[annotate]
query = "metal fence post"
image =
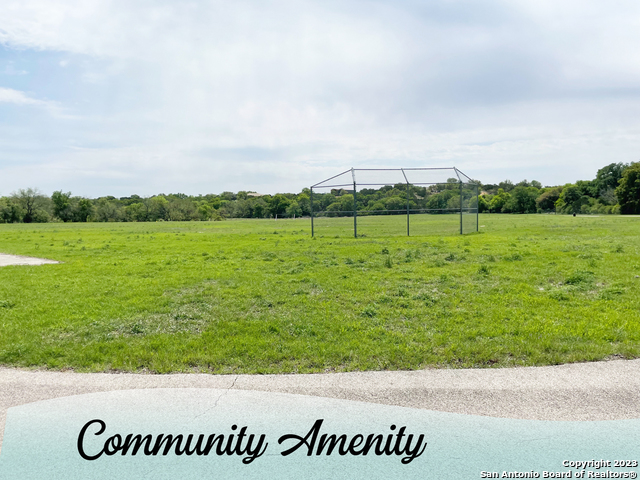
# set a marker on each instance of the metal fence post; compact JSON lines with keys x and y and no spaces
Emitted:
{"x":407,"y":209}
{"x":460,"y":208}
{"x":355,"y":213}
{"x":477,"y":207}
{"x":311,"y":200}
{"x":407,"y":181}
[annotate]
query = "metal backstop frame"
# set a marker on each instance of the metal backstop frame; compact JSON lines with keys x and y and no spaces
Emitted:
{"x":407,"y":175}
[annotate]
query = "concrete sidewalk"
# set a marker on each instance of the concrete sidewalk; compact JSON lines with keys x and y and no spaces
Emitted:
{"x":7,"y":260}
{"x":585,"y":391}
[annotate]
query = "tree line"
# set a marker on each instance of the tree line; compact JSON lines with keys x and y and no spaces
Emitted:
{"x":615,"y":189}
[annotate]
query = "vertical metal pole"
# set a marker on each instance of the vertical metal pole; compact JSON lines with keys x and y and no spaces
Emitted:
{"x":311,"y":198}
{"x":477,"y":207}
{"x":355,"y":213}
{"x":407,"y":209}
{"x":460,"y":208}
{"x":407,"y":182}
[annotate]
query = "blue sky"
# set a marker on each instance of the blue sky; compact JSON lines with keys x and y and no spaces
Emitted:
{"x":119,"y":97}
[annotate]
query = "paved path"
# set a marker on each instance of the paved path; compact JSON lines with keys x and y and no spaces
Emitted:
{"x":584,"y":391}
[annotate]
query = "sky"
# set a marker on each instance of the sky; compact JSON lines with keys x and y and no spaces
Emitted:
{"x":114,"y":97}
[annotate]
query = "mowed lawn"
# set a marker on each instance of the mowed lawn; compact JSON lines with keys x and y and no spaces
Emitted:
{"x":262,"y":296}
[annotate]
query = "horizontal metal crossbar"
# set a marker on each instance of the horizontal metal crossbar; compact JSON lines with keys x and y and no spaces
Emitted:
{"x":353,"y":178}
{"x":403,"y":211}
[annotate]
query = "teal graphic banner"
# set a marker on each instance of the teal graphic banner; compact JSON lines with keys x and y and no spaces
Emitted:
{"x":235,"y":434}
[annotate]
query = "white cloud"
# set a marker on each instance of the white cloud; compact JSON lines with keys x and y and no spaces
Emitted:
{"x":8,"y":95}
{"x":508,"y":87}
{"x":50,"y":108}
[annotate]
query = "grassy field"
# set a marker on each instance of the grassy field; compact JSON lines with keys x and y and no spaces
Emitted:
{"x":260,"y":296}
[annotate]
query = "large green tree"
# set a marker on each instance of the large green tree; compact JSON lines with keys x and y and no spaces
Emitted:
{"x":10,"y":212}
{"x":83,"y":210}
{"x":498,"y":201}
{"x":572,"y":199}
{"x":62,"y":205}
{"x":522,"y":200}
{"x":33,"y":203}
{"x":628,"y":191}
{"x":609,"y":176}
{"x":546,"y":202}
{"x":278,"y":204}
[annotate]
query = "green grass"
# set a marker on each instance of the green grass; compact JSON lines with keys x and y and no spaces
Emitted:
{"x":262,"y":296}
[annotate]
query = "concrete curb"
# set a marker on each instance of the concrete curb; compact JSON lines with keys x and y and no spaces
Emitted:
{"x":583,"y":391}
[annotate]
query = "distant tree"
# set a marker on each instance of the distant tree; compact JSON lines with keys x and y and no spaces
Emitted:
{"x":129,"y":200}
{"x":507,"y":186}
{"x":343,"y":206}
{"x":242,"y":208}
{"x":304,"y":203}
{"x":395,"y":203}
{"x":570,"y":193}
{"x":608,"y":196}
{"x":136,"y":212}
{"x":10,"y":212}
{"x":225,"y":209}
{"x":205,"y":211}
{"x":628,"y":191}
{"x":293,"y":210}
{"x":158,"y":208}
{"x":609,"y":176}
{"x":108,"y":209}
{"x":278,"y":204}
{"x":228,"y":196}
{"x":215,"y":202}
{"x":522,"y":200}
{"x":440,"y":200}
{"x":483,"y":204}
{"x":260,"y":208}
{"x":452,"y":183}
{"x":181,"y":209}
{"x":34,"y":204}
{"x":490,"y":188}
{"x":571,"y":199}
{"x":83,"y":210}
{"x":588,"y":188}
{"x":62,"y":205}
{"x":377,"y":207}
{"x":527,"y":183}
{"x":453,"y":203}
{"x":546,"y":202}
{"x":499,"y":200}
